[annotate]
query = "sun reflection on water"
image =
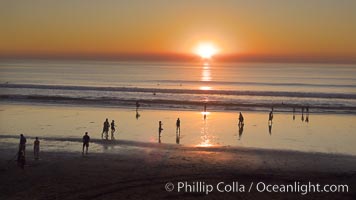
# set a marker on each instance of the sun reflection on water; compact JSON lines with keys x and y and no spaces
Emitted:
{"x":206,"y":76}
{"x":206,"y":138}
{"x":205,"y":88}
{"x":205,"y":141}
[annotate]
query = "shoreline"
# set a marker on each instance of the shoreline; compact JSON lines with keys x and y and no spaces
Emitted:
{"x":174,"y":147}
{"x":131,"y":106}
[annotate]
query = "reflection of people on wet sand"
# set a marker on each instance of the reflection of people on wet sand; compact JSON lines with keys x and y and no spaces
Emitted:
{"x":22,"y":145}
{"x":21,"y":160}
{"x":137,"y":115}
{"x":160,"y":129}
{"x":36,"y":148}
{"x":270,"y":128}
{"x":270,"y":117}
{"x":86,"y":140}
{"x":293,"y":113}
{"x":177,"y":138}
{"x":241,"y":130}
{"x":112,"y":129}
{"x":204,"y":111}
{"x":241,"y":119}
{"x":105,"y":129}
{"x":178,"y":126}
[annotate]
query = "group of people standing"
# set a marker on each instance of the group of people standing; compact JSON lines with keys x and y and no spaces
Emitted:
{"x":21,"y":154}
{"x":160,"y":129}
{"x":106,"y":127}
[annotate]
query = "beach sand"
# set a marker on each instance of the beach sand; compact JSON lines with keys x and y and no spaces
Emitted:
{"x":135,"y":166}
{"x":141,"y":172}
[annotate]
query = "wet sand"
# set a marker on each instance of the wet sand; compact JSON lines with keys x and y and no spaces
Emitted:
{"x":141,"y":172}
{"x":328,"y":133}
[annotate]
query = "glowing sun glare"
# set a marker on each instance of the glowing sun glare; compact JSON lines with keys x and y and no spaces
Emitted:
{"x":206,"y":50}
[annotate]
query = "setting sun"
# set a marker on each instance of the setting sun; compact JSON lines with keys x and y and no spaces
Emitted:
{"x":206,"y":50}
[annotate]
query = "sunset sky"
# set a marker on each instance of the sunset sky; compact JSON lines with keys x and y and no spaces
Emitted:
{"x":253,"y":29}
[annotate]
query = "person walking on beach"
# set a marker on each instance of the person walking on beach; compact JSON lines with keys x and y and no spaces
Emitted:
{"x":160,"y":129}
{"x":106,"y":129}
{"x":36,"y":149}
{"x":112,"y":129}
{"x":22,"y":145}
{"x":178,"y":126}
{"x":241,"y":119}
{"x":86,"y":140}
{"x":293,"y":113}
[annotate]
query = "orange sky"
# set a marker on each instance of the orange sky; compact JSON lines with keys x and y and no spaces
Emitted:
{"x":255,"y":29}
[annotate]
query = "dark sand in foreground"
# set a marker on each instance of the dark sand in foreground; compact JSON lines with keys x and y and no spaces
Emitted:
{"x":142,"y":172}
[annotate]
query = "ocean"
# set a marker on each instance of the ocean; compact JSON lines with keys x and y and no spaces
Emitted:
{"x":324,"y":88}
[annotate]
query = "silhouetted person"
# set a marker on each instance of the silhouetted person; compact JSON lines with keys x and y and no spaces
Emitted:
{"x":36,"y":149}
{"x":112,"y":125}
{"x":160,"y":129}
{"x":307,"y":109}
{"x":241,"y":130}
{"x":137,"y":105}
{"x":106,"y":129}
{"x":22,"y":145}
{"x":293,"y":113}
{"x":178,"y":126}
{"x":86,"y":140}
{"x":241,"y":119}
{"x":302,"y":117}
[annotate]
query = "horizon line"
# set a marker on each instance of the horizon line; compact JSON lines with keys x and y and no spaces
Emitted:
{"x":180,"y":57}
